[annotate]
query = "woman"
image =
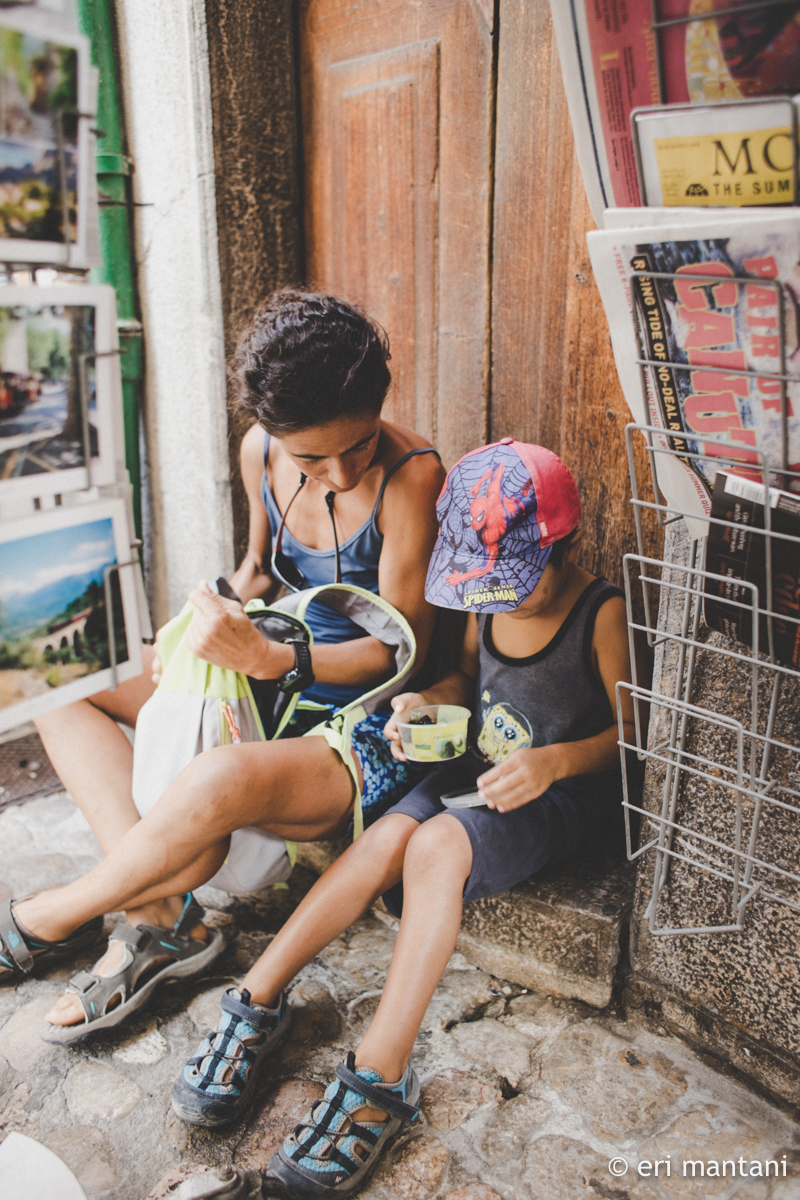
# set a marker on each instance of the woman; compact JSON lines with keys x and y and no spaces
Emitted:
{"x":330,"y":484}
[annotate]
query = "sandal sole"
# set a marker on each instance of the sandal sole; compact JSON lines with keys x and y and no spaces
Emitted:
{"x":68,"y":1035}
{"x":193,"y":1116}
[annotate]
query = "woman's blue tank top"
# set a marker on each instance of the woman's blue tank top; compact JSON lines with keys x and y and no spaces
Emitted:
{"x":358,"y":556}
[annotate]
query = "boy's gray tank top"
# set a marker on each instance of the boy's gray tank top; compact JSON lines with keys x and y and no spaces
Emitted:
{"x":551,"y":696}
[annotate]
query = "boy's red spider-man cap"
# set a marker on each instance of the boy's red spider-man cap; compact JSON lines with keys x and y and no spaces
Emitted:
{"x":500,"y":511}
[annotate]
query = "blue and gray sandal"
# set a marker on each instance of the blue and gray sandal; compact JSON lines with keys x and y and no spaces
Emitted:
{"x":19,"y":949}
{"x":152,"y":956}
{"x":219,"y":1082}
{"x":330,"y":1154}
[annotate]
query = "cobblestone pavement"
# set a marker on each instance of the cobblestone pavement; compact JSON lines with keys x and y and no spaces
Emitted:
{"x":523,"y":1096}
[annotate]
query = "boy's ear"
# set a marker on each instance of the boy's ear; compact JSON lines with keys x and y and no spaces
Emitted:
{"x":575,"y":539}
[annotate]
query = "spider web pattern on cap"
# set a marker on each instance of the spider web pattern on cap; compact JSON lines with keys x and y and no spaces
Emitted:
{"x":488,"y":554}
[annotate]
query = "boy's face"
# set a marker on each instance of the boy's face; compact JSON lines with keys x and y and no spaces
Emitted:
{"x":541,"y":597}
{"x":338,"y":453}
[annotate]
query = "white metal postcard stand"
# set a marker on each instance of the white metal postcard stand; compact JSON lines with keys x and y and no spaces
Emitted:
{"x":752,"y":764}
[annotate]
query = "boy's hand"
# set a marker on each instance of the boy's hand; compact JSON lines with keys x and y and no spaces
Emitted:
{"x":520,"y":778}
{"x":402,"y":705}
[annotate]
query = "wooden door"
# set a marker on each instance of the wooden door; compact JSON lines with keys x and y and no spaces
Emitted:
{"x":397,"y":114}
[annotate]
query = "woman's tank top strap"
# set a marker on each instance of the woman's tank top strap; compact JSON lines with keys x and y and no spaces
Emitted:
{"x":390,"y":473}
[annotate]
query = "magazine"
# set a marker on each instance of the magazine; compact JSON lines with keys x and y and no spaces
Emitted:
{"x":618,"y":56}
{"x":738,"y":552}
{"x":732,"y":154}
{"x":701,"y":331}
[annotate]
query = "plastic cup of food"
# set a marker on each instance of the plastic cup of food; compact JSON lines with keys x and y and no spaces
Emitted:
{"x":443,"y":735}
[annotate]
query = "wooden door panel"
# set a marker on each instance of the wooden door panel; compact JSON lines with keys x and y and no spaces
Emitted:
{"x":384,"y":172}
{"x":397,"y":108}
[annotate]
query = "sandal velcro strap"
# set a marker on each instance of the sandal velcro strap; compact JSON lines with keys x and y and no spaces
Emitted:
{"x":380,"y":1098}
{"x":135,"y":936}
{"x":13,"y":941}
{"x":83,"y":982}
{"x":252,"y":1016}
{"x":191,"y":915}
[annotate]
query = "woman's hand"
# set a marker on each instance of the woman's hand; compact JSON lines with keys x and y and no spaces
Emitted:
{"x":221,"y":633}
{"x":520,"y":778}
{"x":402,"y":706}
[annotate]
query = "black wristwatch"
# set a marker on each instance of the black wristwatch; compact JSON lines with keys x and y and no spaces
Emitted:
{"x":301,"y":675}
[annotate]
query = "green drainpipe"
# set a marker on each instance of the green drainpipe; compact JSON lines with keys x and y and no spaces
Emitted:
{"x":116,"y":241}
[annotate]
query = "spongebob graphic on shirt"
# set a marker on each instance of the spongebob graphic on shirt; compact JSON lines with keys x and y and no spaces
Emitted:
{"x":504,"y":729}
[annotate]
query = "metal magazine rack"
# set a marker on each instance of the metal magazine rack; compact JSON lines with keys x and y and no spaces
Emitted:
{"x":721,"y":779}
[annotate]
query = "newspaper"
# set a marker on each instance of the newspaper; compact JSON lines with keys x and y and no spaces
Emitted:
{"x":700,"y":334}
{"x":614,"y":61}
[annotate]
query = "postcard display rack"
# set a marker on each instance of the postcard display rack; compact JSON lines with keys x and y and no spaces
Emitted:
{"x":73,"y":611}
{"x":703,"y":305}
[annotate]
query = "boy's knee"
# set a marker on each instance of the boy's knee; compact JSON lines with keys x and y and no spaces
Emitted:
{"x":440,"y":844}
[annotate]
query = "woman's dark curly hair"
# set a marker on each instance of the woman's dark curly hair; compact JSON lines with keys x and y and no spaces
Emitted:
{"x":307,"y":359}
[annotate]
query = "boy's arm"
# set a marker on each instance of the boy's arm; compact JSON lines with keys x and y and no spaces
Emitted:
{"x":455,"y":688}
{"x":528,"y":773}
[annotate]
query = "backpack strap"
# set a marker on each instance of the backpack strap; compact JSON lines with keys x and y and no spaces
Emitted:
{"x":383,"y":621}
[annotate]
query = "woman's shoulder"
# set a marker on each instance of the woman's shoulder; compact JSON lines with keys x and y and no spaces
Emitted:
{"x":398,"y":442}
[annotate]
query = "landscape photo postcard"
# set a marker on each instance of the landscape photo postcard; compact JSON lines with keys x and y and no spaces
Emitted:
{"x":49,"y":344}
{"x":45,"y":167}
{"x":54,"y":637}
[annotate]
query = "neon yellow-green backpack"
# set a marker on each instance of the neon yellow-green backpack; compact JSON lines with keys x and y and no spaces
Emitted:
{"x":197,"y":706}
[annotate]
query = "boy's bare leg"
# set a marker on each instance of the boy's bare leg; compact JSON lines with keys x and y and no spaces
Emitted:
{"x":438,"y":860}
{"x":370,"y":866}
{"x":182,"y":841}
{"x":434,"y":861}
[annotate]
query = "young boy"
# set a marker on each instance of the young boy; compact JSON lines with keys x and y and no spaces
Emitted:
{"x":544,"y":647}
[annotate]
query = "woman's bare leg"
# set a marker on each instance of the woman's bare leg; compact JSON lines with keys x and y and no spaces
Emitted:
{"x":93,"y":758}
{"x":298,"y":792}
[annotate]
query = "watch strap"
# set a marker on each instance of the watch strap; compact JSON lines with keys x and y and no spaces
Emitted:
{"x":301,"y":676}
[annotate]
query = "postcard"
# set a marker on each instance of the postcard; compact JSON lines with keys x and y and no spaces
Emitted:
{"x":46,"y":167}
{"x":57,"y":360}
{"x":54,"y":629}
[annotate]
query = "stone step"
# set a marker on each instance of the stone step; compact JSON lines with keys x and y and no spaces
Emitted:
{"x":560,"y":933}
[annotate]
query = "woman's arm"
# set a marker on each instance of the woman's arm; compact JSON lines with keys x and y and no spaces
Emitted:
{"x":221,"y":633}
{"x":250,"y":581}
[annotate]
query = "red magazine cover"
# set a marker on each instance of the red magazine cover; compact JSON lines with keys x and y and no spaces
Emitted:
{"x":618,"y":55}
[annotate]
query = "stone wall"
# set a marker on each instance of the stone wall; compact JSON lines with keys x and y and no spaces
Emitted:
{"x":734,"y":994}
{"x":259,"y":217}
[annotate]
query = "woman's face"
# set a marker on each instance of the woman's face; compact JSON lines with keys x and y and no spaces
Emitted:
{"x":336,"y":454}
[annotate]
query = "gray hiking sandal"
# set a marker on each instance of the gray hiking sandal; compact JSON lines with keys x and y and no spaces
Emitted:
{"x":218,"y":1083}
{"x":20,"y":949}
{"x":152,"y":955}
{"x":330,"y":1154}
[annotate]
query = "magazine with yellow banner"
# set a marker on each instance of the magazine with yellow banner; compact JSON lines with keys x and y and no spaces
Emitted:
{"x":727,"y":155}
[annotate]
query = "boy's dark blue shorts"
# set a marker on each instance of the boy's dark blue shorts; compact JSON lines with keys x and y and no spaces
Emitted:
{"x":574,"y":815}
